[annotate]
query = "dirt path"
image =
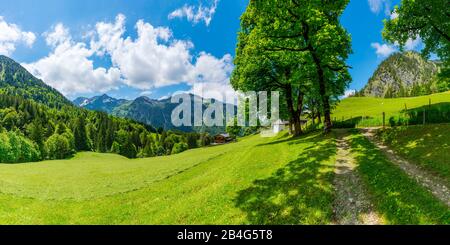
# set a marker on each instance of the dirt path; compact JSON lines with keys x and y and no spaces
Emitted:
{"x":433,"y":183}
{"x":352,"y":205}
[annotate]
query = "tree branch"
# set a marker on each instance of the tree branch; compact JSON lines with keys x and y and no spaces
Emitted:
{"x":337,"y":68}
{"x":279,"y":49}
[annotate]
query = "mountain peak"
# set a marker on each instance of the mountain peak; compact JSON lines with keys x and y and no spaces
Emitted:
{"x":103,"y":103}
{"x":401,"y":75}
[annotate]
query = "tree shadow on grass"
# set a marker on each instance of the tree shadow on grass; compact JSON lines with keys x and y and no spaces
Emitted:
{"x":349,"y":123}
{"x":400,"y":199}
{"x":436,"y":113}
{"x":427,"y":146}
{"x":299,"y":193}
{"x":293,"y":140}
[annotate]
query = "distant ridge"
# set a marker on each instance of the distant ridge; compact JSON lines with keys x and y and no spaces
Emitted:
{"x":143,"y":109}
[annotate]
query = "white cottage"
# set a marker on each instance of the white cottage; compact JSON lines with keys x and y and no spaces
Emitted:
{"x":279,"y":126}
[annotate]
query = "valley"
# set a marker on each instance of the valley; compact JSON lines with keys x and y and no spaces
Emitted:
{"x":357,"y":131}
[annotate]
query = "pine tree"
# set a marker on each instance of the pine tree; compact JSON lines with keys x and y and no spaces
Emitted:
{"x":36,"y":133}
{"x":81,"y":139}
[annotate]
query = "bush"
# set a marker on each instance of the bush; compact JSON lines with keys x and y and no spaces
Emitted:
{"x":128,"y":150}
{"x":205,"y":140}
{"x":115,"y":148}
{"x":179,"y":147}
{"x":58,"y":147}
{"x":438,"y":113}
{"x":15,"y":148}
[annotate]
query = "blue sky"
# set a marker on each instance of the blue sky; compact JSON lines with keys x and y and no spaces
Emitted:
{"x":154,"y":47}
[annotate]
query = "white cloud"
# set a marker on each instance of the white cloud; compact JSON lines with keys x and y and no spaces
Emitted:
{"x":69,"y":69}
{"x":146,"y":93}
{"x":196,"y":14}
{"x":11,"y":35}
{"x":155,"y":59}
{"x":211,"y":76}
{"x":413,"y":44}
{"x":376,"y":6}
{"x":210,"y":69}
{"x":148,"y":61}
{"x":383,"y":50}
{"x":59,"y":35}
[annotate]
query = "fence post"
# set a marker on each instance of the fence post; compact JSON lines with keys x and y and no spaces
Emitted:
{"x":424,"y":116}
{"x":384,"y":120}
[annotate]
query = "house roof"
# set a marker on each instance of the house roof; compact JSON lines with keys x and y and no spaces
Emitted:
{"x":280,"y":122}
{"x":224,"y":135}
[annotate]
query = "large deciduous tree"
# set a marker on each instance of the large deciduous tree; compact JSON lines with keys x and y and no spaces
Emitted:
{"x":305,"y":39}
{"x":429,"y":20}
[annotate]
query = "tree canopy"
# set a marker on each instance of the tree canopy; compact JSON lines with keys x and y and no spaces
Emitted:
{"x":298,"y":47}
{"x":429,"y":20}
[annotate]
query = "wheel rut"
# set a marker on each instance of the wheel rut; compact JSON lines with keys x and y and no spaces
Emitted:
{"x":352,"y":204}
{"x":434,"y":184}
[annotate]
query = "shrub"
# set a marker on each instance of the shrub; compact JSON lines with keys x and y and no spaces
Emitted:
{"x":179,"y":147}
{"x":58,"y":147}
{"x":15,"y":148}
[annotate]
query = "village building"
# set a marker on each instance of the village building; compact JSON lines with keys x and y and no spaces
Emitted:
{"x":222,"y":139}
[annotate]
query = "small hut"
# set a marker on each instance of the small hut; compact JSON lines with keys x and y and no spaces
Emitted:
{"x":222,"y":139}
{"x":279,"y":126}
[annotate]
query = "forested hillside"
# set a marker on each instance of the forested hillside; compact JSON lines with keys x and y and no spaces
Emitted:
{"x":16,"y":80}
{"x":37,"y":123}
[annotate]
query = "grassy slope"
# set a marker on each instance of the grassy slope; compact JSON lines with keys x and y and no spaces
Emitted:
{"x":91,"y":175}
{"x":247,"y":184}
{"x":374,"y":107}
{"x":398,"y":198}
{"x":428,"y":146}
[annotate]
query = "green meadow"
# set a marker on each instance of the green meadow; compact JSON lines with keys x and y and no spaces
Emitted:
{"x":368,"y":111}
{"x":257,"y":180}
{"x":280,"y":180}
{"x":428,"y":147}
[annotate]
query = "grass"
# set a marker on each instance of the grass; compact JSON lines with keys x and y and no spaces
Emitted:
{"x":280,"y":180}
{"x":427,"y":146}
{"x":89,"y":175}
{"x":368,"y":112}
{"x":398,"y":198}
{"x":254,"y":181}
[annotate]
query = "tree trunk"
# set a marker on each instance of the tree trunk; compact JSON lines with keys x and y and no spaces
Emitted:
{"x":295,"y":117}
{"x":323,"y":93}
{"x":297,"y":126}
{"x":300,"y":99}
